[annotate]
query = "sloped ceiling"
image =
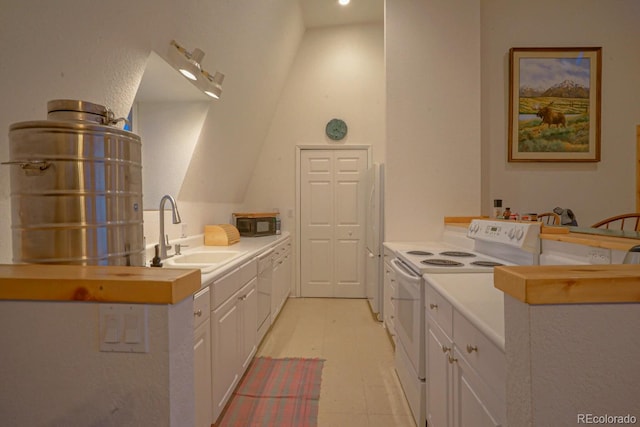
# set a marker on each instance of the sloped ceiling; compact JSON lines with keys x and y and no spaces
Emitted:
{"x":254,"y":44}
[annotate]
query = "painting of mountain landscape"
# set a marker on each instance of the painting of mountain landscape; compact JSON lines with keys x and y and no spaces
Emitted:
{"x":554,"y":110}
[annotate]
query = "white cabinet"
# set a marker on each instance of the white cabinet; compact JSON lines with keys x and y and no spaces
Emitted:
{"x":473,"y":404}
{"x":466,"y":372}
{"x":388,"y":292}
{"x":233,"y":331}
{"x":248,"y":303}
{"x":281,"y":276}
{"x":202,"y":357}
{"x":439,"y":381}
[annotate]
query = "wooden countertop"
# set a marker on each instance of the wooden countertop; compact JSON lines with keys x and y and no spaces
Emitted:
{"x":562,"y":234}
{"x":39,"y":282}
{"x":568,"y":284}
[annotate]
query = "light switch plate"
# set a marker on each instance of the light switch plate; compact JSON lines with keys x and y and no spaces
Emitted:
{"x":123,"y":328}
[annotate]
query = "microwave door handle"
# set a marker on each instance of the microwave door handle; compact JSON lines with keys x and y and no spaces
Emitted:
{"x":402,"y":270}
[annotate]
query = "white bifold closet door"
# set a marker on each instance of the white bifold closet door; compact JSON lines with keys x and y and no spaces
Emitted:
{"x":332,"y":219}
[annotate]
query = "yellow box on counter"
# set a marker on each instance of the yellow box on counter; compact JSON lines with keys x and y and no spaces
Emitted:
{"x":221,"y":235}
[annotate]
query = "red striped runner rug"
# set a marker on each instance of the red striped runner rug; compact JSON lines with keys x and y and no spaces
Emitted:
{"x":276,"y":393}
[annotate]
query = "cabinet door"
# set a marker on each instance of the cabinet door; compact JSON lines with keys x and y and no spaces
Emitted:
{"x":286,"y":278}
{"x":248,"y":303}
{"x":473,"y":399}
{"x":225,"y":352}
{"x":388,"y":293}
{"x":276,"y":294}
{"x":281,"y":282}
{"x":439,"y":381}
{"x":202,"y":372}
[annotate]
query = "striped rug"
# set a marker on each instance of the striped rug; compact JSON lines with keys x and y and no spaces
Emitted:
{"x":276,"y":393}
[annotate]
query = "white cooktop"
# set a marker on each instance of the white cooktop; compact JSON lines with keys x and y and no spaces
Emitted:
{"x":448,"y":259}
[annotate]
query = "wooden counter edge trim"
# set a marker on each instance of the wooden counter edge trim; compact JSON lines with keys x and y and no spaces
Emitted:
{"x":452,"y":220}
{"x":596,"y":286}
{"x":605,"y":242}
{"x":86,"y":288}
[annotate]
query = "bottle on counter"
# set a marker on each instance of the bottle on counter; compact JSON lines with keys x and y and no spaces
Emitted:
{"x":497,"y":208}
{"x":507,"y":213}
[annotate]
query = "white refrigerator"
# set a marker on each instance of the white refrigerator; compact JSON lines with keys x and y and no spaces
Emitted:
{"x":375,"y":238}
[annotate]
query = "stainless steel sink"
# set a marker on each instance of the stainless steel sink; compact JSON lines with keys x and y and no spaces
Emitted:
{"x":205,"y":260}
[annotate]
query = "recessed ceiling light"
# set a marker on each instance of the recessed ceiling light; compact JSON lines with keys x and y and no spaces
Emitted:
{"x":344,"y":2}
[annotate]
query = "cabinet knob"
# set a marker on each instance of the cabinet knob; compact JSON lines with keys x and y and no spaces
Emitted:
{"x":242,"y":298}
{"x":471,"y":348}
{"x":198,"y":313}
{"x":433,"y":306}
{"x":445,"y":348}
{"x":452,"y":359}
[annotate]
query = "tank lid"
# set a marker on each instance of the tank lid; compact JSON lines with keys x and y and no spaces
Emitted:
{"x":77,"y":106}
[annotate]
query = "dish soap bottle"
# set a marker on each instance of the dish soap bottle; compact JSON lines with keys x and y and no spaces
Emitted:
{"x":156,"y":261}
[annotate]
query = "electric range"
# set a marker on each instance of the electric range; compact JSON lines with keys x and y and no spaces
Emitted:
{"x":494,"y":243}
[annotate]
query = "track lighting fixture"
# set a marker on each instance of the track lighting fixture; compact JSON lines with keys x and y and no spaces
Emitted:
{"x":189,"y":65}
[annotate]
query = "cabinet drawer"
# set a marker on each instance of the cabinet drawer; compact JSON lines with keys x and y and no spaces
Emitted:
{"x":229,"y":284}
{"x":481,"y":353}
{"x":201,"y":307}
{"x":248,"y":271}
{"x":281,"y":248}
{"x":281,"y":251}
{"x":440,"y":310}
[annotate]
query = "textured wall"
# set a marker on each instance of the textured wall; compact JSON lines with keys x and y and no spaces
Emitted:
{"x":566,"y":360}
{"x":98,"y":53}
{"x":55,"y":375}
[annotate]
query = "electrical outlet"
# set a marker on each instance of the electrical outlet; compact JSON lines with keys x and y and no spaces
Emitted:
{"x":599,"y":256}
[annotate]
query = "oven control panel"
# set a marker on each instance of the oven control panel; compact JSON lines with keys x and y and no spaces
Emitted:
{"x":512,"y":233}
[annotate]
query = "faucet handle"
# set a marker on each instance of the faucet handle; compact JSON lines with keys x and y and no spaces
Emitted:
{"x":178,"y":246}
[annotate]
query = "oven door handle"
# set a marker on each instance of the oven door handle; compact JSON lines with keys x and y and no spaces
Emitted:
{"x":400,"y":268}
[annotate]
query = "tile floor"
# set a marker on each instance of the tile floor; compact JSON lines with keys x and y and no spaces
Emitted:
{"x":359,"y":384}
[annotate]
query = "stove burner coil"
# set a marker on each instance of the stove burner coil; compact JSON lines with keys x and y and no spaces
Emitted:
{"x":442,"y":262}
{"x":457,"y":254}
{"x":487,"y":263}
{"x":422,"y":253}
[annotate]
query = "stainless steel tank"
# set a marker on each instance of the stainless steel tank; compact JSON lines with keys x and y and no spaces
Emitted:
{"x":76,"y":188}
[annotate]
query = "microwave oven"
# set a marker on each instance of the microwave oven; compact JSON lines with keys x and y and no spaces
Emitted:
{"x":255,"y":226}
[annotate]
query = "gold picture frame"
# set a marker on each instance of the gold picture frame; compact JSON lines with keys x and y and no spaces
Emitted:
{"x":554,"y":104}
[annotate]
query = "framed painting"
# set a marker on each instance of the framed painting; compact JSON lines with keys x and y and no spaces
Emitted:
{"x":554,"y":104}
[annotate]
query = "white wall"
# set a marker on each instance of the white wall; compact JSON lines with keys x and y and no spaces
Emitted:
{"x":338,"y":72}
{"x":433,"y":115}
{"x":593,"y":191}
{"x":61,"y":50}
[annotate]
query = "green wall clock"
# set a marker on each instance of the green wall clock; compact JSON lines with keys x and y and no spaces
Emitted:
{"x":336,"y":129}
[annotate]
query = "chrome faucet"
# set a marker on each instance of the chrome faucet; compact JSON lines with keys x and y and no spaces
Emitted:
{"x":164,"y":240}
